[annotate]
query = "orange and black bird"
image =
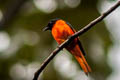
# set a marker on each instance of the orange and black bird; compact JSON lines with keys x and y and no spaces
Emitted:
{"x":61,"y":30}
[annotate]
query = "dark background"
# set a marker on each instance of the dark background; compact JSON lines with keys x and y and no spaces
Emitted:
{"x":24,"y":46}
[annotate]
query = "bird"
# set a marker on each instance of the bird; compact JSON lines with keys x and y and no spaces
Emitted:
{"x":62,"y":30}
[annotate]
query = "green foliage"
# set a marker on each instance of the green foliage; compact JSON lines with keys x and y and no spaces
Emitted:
{"x":31,"y":44}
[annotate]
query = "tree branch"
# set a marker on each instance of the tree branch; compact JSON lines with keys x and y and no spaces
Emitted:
{"x":80,"y":32}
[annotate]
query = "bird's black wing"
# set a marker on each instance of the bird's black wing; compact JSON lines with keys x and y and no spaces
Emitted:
{"x":79,"y":43}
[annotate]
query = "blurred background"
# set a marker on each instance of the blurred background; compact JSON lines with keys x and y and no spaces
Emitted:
{"x":24,"y":46}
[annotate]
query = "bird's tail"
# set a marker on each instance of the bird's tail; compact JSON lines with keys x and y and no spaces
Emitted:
{"x":83,"y":63}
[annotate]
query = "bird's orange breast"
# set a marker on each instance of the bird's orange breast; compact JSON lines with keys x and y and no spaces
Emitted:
{"x":61,"y":31}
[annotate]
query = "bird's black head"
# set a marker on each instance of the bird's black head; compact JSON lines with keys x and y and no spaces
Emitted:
{"x":50,"y":24}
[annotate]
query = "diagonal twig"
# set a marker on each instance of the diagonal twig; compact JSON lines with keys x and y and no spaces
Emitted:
{"x":80,"y":32}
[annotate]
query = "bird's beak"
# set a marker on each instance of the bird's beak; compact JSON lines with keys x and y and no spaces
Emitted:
{"x":46,"y":28}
